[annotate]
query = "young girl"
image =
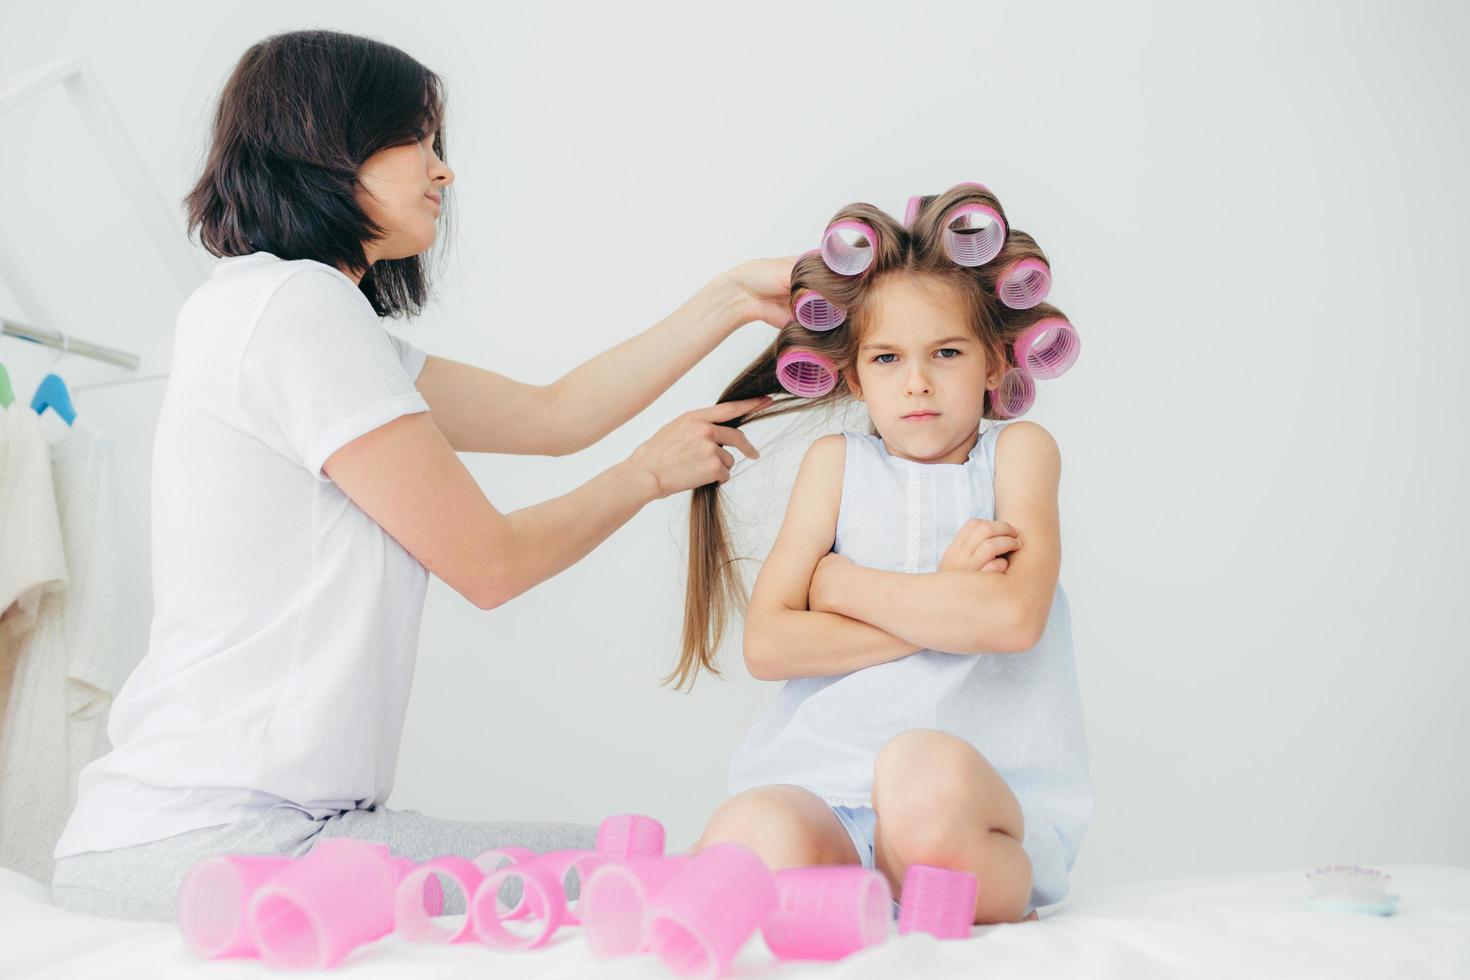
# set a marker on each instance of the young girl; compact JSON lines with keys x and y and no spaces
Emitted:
{"x":911,"y":599}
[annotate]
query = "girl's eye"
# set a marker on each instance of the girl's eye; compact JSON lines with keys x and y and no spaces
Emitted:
{"x":947,"y":351}
{"x":879,"y":358}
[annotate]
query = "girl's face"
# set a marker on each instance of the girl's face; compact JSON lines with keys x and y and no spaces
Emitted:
{"x":400,"y":188}
{"x":922,"y":371}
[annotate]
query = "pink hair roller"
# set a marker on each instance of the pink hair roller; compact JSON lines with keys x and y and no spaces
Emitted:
{"x":565,"y":866}
{"x":937,"y":901}
{"x":700,"y":921}
{"x":1024,"y":283}
{"x":626,"y":836}
{"x":213,"y":898}
{"x":911,"y":210}
{"x":805,"y":373}
{"x":420,"y":897}
{"x":615,"y":901}
{"x":336,"y":898}
{"x":433,"y":890}
{"x":974,"y":234}
{"x":848,"y":247}
{"x":1015,"y":395}
{"x":816,"y":312}
{"x":1049,"y":347}
{"x":541,"y":895}
{"x":827,"y":912}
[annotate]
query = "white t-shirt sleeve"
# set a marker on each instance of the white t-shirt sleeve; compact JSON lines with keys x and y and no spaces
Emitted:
{"x":319,"y":369}
{"x":413,"y":357}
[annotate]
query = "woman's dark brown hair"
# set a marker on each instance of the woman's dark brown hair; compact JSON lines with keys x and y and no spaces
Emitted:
{"x":714,"y":591}
{"x":299,"y":115}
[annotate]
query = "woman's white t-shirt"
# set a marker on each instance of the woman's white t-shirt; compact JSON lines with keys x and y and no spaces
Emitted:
{"x":285,"y":622}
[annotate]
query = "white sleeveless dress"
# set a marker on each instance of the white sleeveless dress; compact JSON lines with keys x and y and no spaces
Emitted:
{"x":1019,"y":710}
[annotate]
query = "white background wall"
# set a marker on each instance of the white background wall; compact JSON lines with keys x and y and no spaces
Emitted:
{"x":1256,"y":217}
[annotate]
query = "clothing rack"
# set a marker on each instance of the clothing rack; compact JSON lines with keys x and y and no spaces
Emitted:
{"x":56,"y":338}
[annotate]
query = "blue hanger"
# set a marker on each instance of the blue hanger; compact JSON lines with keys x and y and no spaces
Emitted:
{"x":52,"y":393}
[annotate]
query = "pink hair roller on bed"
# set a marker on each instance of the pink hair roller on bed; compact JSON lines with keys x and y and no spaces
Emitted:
{"x":615,"y":901}
{"x":974,"y":233}
{"x":541,"y":896}
{"x":699,"y":922}
{"x":420,"y":897}
{"x":805,"y":373}
{"x":216,"y":893}
{"x":336,"y":898}
{"x":827,"y":912}
{"x":213,"y":898}
{"x":566,"y":866}
{"x":1024,"y":283}
{"x":1049,"y":347}
{"x":1015,"y":395}
{"x":626,"y":836}
{"x":937,"y":901}
{"x":848,"y":247}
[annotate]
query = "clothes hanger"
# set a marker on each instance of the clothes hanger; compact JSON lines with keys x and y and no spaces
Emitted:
{"x":51,"y":392}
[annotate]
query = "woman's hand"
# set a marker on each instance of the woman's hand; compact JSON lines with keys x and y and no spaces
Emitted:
{"x":827,"y":582}
{"x":762,"y":290}
{"x":979,"y":547}
{"x":687,"y":452}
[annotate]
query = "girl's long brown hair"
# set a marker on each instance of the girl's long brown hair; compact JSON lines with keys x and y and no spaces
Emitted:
{"x":715,"y":590}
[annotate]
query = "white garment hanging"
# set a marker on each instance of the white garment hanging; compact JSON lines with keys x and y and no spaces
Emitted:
{"x":32,"y":559}
{"x":67,"y":665}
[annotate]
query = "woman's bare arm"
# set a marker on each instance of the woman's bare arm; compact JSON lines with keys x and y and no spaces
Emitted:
{"x":783,"y":638}
{"x":407,"y":478}
{"x":480,"y":411}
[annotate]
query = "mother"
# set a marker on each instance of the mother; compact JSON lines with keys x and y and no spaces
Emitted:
{"x":305,"y":483}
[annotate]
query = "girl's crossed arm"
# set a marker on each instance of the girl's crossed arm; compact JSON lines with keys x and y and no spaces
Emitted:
{"x":783,"y":638}
{"x":970,"y":612}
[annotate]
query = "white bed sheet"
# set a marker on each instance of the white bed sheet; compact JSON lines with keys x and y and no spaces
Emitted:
{"x":1254,"y":926}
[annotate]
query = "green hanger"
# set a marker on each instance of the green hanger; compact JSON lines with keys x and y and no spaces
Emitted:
{"x":6,"y":395}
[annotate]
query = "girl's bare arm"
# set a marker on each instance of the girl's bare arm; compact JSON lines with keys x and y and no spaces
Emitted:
{"x":783,"y":638}
{"x":973,"y":612}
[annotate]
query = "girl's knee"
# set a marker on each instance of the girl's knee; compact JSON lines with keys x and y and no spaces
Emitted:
{"x":774,"y":821}
{"x":931,"y":789}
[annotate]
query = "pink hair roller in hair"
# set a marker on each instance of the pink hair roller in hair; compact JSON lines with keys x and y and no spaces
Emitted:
{"x":911,"y":210}
{"x":1049,"y":347}
{"x":1024,"y":283}
{"x":827,"y":912}
{"x":1016,"y":393}
{"x":700,"y":921}
{"x":815,"y":312}
{"x":848,"y":247}
{"x":974,"y":234}
{"x":542,"y":896}
{"x":336,"y":898}
{"x":415,"y":904}
{"x":626,"y":836}
{"x":213,"y":898}
{"x":805,"y":373}
{"x":937,"y":901}
{"x":615,"y":901}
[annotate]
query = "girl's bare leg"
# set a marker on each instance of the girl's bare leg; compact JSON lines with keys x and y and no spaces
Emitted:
{"x":940,"y":802}
{"x":786,"y":825}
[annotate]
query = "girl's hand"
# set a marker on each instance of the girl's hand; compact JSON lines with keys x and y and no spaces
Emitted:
{"x":979,"y":547}
{"x":687,"y":452}
{"x":826,"y":582}
{"x":762,"y":290}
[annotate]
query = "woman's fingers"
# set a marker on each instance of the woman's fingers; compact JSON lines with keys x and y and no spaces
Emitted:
{"x":726,"y":458}
{"x":725,"y":411}
{"x":726,"y":435}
